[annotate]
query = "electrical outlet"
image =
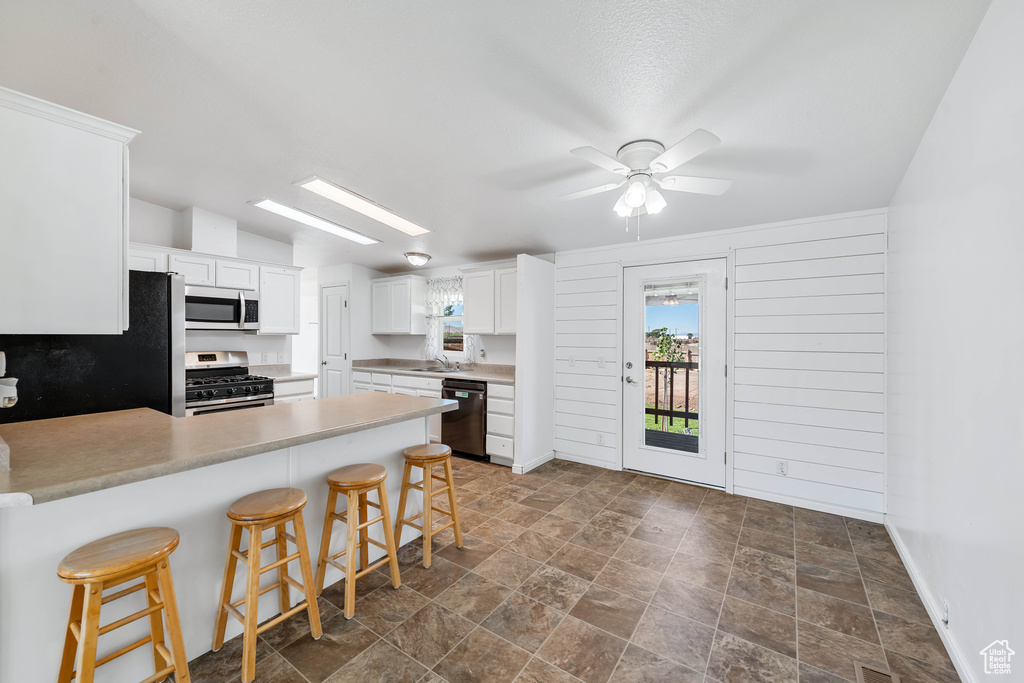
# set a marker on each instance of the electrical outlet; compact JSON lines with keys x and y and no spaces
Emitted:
{"x":945,"y":612}
{"x":600,"y":361}
{"x":572,"y":360}
{"x":600,"y":439}
{"x":265,"y":358}
{"x":781,"y":467}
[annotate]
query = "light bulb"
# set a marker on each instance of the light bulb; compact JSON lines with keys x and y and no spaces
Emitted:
{"x":636,"y":194}
{"x":622,"y":208}
{"x":655,"y":202}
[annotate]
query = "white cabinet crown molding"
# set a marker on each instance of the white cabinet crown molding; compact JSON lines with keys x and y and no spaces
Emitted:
{"x":61,"y":114}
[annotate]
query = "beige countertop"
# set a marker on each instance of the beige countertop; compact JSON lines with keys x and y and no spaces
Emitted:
{"x":499,"y":374}
{"x":69,"y":456}
{"x":280,"y":373}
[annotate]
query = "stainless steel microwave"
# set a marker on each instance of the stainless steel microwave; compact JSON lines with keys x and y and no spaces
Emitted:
{"x":216,"y":308}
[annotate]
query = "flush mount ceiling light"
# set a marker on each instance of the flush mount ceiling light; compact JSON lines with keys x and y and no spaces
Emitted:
{"x":416,"y":258}
{"x":356,"y":202}
{"x":640,"y":161}
{"x":313,"y":221}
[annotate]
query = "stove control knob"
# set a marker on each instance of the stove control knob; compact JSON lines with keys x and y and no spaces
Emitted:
{"x":230,"y":391}
{"x":248,"y":390}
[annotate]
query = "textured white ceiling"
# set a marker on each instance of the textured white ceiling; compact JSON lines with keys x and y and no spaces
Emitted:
{"x":459,"y":115}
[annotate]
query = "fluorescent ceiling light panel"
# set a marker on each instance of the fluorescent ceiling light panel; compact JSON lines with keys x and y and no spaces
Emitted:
{"x":313,"y":221}
{"x":353,"y":201}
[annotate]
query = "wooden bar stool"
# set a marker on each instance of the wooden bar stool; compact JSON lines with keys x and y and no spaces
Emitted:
{"x":426,"y":456}
{"x":109,"y":562}
{"x":355,"y":482}
{"x":271,"y":509}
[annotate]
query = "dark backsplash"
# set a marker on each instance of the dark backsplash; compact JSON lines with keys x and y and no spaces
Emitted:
{"x":61,"y":375}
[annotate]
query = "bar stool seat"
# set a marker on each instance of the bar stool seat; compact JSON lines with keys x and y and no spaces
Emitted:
{"x":355,"y":482}
{"x":255,"y":513}
{"x":427,"y":456}
{"x":109,"y":562}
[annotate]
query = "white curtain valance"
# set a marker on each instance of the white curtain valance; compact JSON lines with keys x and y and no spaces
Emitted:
{"x":443,"y":292}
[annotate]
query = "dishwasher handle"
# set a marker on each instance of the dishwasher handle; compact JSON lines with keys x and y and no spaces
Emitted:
{"x":451,"y":390}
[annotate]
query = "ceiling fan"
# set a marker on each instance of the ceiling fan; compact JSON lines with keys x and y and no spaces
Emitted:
{"x":640,"y":161}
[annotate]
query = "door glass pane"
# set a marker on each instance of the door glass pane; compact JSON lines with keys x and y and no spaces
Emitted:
{"x":671,"y":372}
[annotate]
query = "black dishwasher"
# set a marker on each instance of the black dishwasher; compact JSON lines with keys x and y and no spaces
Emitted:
{"x":465,"y":430}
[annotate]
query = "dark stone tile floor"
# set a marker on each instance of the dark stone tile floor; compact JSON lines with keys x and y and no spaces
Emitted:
{"x":575,"y":573}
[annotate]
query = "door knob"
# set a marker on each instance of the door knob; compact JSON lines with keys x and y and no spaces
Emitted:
{"x":631,"y":380}
{"x":323,"y":362}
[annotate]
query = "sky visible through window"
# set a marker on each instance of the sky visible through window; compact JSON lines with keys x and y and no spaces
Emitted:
{"x":680,"y":320}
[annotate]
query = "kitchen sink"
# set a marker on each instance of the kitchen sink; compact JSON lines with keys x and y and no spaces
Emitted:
{"x":443,"y":370}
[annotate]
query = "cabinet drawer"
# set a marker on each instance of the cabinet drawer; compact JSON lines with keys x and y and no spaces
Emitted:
{"x":361,"y":388}
{"x":501,"y":425}
{"x":293,"y":388}
{"x":501,"y":390}
{"x":382,"y":388}
{"x":499,"y":446}
{"x":361,"y":377}
{"x":416,"y":382}
{"x":501,"y":405}
{"x":380,"y":378}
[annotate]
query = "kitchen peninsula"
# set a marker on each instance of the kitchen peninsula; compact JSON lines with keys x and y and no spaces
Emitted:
{"x":76,"y":479}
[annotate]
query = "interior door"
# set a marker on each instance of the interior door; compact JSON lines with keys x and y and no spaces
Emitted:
{"x":334,"y":361}
{"x":674,"y":350}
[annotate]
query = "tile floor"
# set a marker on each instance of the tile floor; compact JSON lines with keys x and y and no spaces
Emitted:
{"x":574,"y":572}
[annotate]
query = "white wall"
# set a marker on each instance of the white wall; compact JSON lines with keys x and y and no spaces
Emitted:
{"x":535,"y":363}
{"x":956,"y":325}
{"x":306,"y":344}
{"x":807,"y":372}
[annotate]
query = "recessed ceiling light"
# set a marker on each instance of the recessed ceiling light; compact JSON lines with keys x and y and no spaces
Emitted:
{"x":356,"y":202}
{"x":416,"y":258}
{"x":313,"y":221}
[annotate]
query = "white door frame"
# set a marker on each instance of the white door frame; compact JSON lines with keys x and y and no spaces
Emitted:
{"x":346,"y":337}
{"x":730,"y":350}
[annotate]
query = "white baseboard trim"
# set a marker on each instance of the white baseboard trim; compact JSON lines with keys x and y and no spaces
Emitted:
{"x":533,"y":464}
{"x":559,"y":455}
{"x":932,"y":606}
{"x":842,"y":510}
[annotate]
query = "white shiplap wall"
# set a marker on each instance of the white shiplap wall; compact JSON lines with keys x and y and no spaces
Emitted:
{"x":807,"y":378}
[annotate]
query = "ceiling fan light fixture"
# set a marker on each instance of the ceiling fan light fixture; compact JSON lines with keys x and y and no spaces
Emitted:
{"x":636,"y":193}
{"x":655,"y":202}
{"x":622,"y":208}
{"x":312,"y":221}
{"x":356,"y":202}
{"x":417,"y":258}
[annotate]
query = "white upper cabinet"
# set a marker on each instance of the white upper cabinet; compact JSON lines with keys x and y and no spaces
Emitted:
{"x":63,"y":218}
{"x":238,"y":275}
{"x":489,"y":301}
{"x":149,"y":260}
{"x":279,"y":300}
{"x":399,"y":305}
{"x":197,"y":270}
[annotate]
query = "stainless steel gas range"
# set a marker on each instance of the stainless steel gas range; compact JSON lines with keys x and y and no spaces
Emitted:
{"x":216,"y":381}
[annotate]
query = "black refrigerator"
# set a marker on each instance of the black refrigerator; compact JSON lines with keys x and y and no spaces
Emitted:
{"x":61,"y":375}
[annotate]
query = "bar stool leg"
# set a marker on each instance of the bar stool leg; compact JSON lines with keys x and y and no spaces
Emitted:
{"x":166,"y":592}
{"x":234,"y":543}
{"x":283,"y":594}
{"x":389,"y":537}
{"x":350,"y":555}
{"x":252,"y":594}
{"x":402,"y":498}
{"x":428,"y":504}
{"x":364,"y":534}
{"x":452,"y":505}
{"x":67,"y":662}
{"x":86,"y":661}
{"x":312,"y":609}
{"x":325,"y":540}
{"x":156,"y":621}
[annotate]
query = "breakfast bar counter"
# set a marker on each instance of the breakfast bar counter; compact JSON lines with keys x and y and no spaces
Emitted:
{"x":69,"y":456}
{"x":73,"y":480}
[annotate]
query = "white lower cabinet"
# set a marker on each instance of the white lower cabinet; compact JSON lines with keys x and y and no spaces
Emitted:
{"x":501,"y":422}
{"x":426,"y":387}
{"x":287,"y":390}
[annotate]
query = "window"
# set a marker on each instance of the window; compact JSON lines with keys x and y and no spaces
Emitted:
{"x":451,"y":342}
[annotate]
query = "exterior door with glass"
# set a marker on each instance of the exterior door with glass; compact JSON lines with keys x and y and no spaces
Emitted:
{"x":674,"y":350}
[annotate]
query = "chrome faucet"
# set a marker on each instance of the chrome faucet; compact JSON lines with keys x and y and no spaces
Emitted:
{"x":444,"y":361}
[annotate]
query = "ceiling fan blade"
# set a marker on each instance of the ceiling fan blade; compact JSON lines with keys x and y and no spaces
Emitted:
{"x":693,"y":145}
{"x":594,"y":190}
{"x":689,"y":183}
{"x":600,"y":159}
